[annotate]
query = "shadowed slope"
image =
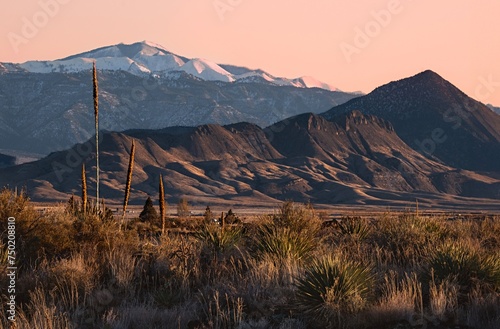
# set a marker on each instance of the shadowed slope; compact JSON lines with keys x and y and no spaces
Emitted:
{"x":354,"y":158}
{"x":435,"y":118}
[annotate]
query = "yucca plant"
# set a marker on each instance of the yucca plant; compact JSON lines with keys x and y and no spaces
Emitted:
{"x":354,"y":227}
{"x":216,"y":239}
{"x":291,"y":233}
{"x":463,"y":265}
{"x":299,"y":218}
{"x":129,"y":180}
{"x":332,"y":288}
{"x":284,"y":243}
{"x":491,"y":267}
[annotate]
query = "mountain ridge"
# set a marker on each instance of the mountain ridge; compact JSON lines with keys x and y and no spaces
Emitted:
{"x":40,"y":113}
{"x":143,"y":58}
{"x":435,"y":118}
{"x":357,"y":159}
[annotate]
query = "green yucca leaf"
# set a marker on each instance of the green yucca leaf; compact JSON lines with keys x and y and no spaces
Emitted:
{"x":354,"y":226}
{"x":464,"y":265}
{"x":218,"y":239}
{"x":285,"y":243}
{"x":330,"y":286}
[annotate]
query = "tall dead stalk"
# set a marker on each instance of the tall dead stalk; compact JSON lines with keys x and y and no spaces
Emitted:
{"x":129,"y":180}
{"x":96,"y":116}
{"x":161,"y":192}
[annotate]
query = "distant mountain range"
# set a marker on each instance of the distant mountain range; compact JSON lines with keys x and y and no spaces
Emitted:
{"x":437,"y":119}
{"x":341,"y":157}
{"x":201,"y":125}
{"x":47,"y":105}
{"x":494,"y":109}
{"x":146,"y":58}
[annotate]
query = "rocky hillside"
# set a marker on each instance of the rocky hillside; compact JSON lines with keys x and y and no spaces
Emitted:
{"x":41,"y":113}
{"x":47,"y":105}
{"x":436,"y":119}
{"x":353,"y":158}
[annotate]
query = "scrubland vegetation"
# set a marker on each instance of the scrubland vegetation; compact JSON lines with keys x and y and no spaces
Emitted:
{"x":77,"y":268}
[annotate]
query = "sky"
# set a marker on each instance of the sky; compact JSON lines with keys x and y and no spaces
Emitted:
{"x":353,"y":45}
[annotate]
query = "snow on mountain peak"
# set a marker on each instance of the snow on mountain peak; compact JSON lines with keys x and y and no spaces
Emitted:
{"x":154,"y":45}
{"x":147,"y":57}
{"x":310,"y":82}
{"x":207,"y":70}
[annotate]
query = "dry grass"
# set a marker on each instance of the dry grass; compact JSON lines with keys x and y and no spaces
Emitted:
{"x":79,"y":270}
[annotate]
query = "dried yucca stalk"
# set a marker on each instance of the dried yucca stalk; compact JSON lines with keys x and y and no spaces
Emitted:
{"x":96,"y":116}
{"x":161,"y":192}
{"x":129,"y":179}
{"x":84,"y":189}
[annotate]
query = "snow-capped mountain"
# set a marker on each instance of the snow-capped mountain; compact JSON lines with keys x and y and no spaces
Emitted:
{"x":207,"y":70}
{"x":144,"y":58}
{"x":47,"y":105}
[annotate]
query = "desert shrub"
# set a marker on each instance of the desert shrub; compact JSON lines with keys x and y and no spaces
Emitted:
{"x":284,"y":243}
{"x":264,"y":274}
{"x":490,"y":265}
{"x":483,"y":310}
{"x":217,"y":239}
{"x":19,"y":207}
{"x":40,"y":313}
{"x":296,"y":217}
{"x":222,"y":312}
{"x":49,"y":234}
{"x":354,"y":227}
{"x":72,"y":280}
{"x":121,"y":265}
{"x":26,"y":218}
{"x":95,"y":232}
{"x":53,"y":235}
{"x":400,"y":300}
{"x":463,"y":265}
{"x":407,"y":239}
{"x":76,"y":209}
{"x":291,"y":233}
{"x":183,"y":208}
{"x":443,"y":301}
{"x":332,"y":288}
{"x":180,"y":255}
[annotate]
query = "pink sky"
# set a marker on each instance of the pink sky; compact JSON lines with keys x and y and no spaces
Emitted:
{"x":458,"y":39}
